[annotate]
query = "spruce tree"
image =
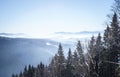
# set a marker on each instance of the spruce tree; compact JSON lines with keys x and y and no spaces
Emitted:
{"x":91,"y":58}
{"x":69,"y":67}
{"x":21,"y":74}
{"x":61,"y":62}
{"x":25,"y":73}
{"x":104,"y":55}
{"x":53,"y":66}
{"x":76,"y":65}
{"x":111,"y":49}
{"x":115,"y":46}
{"x":98,"y":52}
{"x":81,"y":56}
{"x":41,"y":70}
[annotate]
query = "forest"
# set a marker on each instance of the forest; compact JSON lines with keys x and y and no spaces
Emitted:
{"x":100,"y":57}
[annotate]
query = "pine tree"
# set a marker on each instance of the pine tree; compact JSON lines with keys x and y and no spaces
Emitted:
{"x":91,"y":48}
{"x":61,"y":61}
{"x":111,"y":49}
{"x":58,"y":63}
{"x":82,"y":63}
{"x":114,"y":47}
{"x":95,"y":48}
{"x":31,"y":71}
{"x":21,"y":74}
{"x":91,"y":58}
{"x":104,"y":55}
{"x":76,"y":65}
{"x":25,"y":73}
{"x":107,"y":37}
{"x":53,"y":66}
{"x":13,"y":75}
{"x":98,"y":50}
{"x":80,"y":52}
{"x":40,"y":70}
{"x":61,"y":58}
{"x":69,"y":67}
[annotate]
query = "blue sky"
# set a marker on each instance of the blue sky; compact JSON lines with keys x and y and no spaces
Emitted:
{"x":43,"y":17}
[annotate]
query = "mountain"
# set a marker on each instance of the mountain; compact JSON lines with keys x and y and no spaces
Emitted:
{"x":15,"y":53}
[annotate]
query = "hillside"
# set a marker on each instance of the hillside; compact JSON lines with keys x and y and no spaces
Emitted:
{"x":18,"y":52}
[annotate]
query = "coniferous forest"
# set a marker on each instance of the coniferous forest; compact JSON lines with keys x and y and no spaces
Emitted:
{"x":100,"y":57}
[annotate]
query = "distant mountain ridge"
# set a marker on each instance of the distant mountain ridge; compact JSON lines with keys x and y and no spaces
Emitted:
{"x":14,"y":35}
{"x":82,"y":32}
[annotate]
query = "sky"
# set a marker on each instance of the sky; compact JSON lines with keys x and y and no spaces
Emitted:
{"x":40,"y":18}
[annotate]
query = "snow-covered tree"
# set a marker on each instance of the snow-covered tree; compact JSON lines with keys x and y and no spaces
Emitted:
{"x":76,"y":65}
{"x":81,"y":57}
{"x":111,"y":49}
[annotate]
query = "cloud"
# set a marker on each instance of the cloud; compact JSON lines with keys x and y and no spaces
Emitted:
{"x":74,"y":36}
{"x":82,"y":32}
{"x":13,"y":35}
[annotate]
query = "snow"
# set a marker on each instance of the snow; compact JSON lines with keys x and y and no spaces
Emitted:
{"x":48,"y":43}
